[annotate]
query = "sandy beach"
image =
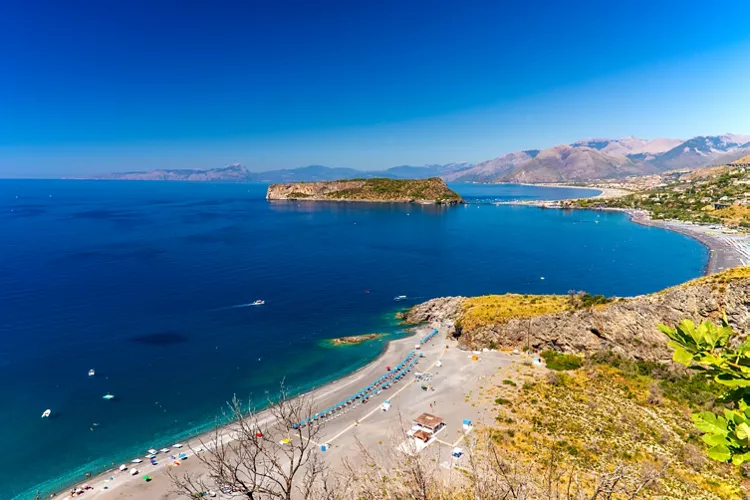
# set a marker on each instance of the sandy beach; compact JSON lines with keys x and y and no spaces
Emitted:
{"x":452,"y":372}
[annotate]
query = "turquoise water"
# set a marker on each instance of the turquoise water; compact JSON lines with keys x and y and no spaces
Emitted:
{"x":138,"y":280}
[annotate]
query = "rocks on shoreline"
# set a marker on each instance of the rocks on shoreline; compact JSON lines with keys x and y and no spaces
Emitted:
{"x":355,"y":339}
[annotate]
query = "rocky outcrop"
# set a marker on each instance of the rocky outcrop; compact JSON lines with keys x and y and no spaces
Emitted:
{"x":432,"y":191}
{"x":627,"y":326}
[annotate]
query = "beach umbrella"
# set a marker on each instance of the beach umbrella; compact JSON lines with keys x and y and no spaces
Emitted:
{"x":147,"y":478}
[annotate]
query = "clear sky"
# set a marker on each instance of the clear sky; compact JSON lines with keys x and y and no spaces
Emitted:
{"x":104,"y":85}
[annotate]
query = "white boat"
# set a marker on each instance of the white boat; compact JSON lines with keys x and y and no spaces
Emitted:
{"x":164,"y":450}
{"x":399,"y":298}
{"x":258,"y":302}
{"x":108,"y":396}
{"x":152,"y":451}
{"x":92,"y":372}
{"x":177,"y":445}
{"x":46,"y":413}
{"x":136,"y":461}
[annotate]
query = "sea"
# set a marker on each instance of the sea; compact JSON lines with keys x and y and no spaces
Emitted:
{"x":149,"y":284}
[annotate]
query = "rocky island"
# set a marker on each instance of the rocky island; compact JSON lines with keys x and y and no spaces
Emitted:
{"x":355,"y":339}
{"x":382,"y":190}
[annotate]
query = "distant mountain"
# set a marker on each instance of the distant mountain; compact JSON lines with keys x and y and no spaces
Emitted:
{"x":238,"y":173}
{"x":703,"y":150}
{"x":585,"y":160}
{"x":425,"y":172}
{"x":594,"y":159}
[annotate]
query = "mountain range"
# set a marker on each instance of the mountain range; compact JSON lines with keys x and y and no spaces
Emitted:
{"x":581,"y":161}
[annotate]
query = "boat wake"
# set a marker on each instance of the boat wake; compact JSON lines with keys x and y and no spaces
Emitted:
{"x":238,"y":306}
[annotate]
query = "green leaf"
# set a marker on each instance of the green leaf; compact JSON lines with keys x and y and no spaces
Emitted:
{"x":711,"y":423}
{"x":687,"y":328}
{"x":666,"y":330}
{"x":742,"y":430}
{"x":720,"y":453}
{"x":715,"y":439}
{"x":741,"y":458}
{"x":732,"y":380}
{"x":682,"y":356}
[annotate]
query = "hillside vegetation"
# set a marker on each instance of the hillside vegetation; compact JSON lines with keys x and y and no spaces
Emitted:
{"x":608,"y":415}
{"x":432,"y":190}
{"x":717,"y":195}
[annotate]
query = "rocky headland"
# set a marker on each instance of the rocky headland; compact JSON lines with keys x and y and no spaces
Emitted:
{"x":425,"y":191}
{"x":624,"y":326}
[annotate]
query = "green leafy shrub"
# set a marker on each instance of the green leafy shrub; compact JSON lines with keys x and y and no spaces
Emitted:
{"x":560,"y":362}
{"x":707,"y":348}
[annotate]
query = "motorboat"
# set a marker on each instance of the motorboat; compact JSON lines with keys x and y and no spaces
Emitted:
{"x":108,"y":396}
{"x":92,"y":372}
{"x":399,"y":298}
{"x":258,"y":302}
{"x":46,"y":413}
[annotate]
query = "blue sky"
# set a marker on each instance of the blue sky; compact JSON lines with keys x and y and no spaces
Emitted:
{"x":97,"y":86}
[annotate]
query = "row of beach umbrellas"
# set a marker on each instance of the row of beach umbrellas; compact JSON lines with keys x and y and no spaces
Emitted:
{"x":382,"y":382}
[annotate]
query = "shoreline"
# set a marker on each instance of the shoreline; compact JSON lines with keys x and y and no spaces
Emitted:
{"x":324,"y":396}
{"x":723,"y":252}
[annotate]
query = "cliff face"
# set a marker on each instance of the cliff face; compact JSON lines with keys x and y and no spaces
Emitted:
{"x":433,"y":190}
{"x":627,"y":326}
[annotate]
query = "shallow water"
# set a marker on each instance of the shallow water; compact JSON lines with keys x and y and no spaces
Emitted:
{"x":143,"y":281}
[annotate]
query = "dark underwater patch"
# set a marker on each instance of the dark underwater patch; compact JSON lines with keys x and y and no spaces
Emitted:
{"x":230,"y":235}
{"x":161,"y":339}
{"x":103,"y":214}
{"x":24,"y":210}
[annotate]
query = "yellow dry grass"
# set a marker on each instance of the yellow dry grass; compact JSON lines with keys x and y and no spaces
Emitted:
{"x":493,"y":309}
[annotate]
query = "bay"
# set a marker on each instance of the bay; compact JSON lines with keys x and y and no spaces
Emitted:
{"x":148,"y":282}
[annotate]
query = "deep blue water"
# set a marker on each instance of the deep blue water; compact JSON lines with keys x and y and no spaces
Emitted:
{"x":137,"y":280}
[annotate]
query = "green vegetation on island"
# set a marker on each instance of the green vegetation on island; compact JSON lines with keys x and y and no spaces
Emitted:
{"x":433,"y":190}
